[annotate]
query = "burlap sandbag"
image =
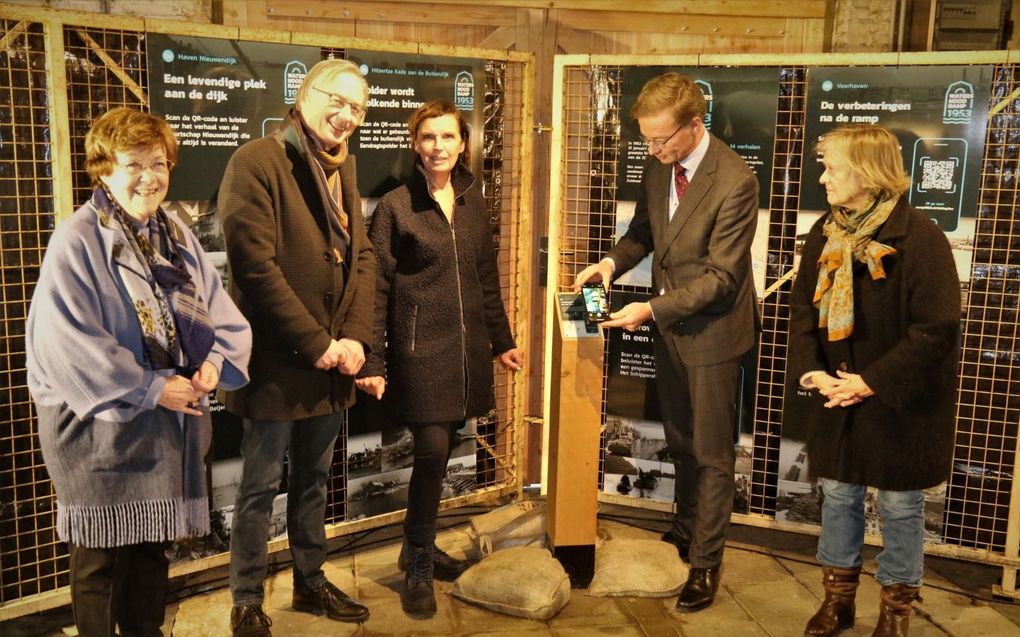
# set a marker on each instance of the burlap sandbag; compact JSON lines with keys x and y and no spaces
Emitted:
{"x":517,"y":524}
{"x":627,"y":567}
{"x":523,"y":581}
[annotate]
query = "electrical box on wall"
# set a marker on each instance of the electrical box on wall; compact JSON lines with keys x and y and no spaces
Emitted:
{"x":970,"y":25}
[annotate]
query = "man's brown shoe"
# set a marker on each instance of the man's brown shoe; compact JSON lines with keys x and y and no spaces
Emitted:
{"x":330,"y":601}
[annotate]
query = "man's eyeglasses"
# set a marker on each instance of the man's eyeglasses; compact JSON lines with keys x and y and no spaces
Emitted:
{"x":659,"y":143}
{"x":338,"y":102}
{"x":135,"y":168}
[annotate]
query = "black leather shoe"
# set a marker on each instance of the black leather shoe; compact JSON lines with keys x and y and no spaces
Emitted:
{"x":330,"y":601}
{"x":446,"y":568}
{"x":699,"y":591}
{"x":683,"y":547}
{"x":250,"y":621}
{"x":418,"y":599}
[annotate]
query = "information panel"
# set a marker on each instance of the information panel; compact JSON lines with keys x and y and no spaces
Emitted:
{"x":631,"y":390}
{"x":937,"y":112}
{"x":398,"y":84}
{"x":218,"y":94}
{"x":741,"y":112}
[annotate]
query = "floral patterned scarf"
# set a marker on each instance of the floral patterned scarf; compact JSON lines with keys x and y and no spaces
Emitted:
{"x":164,"y":296}
{"x":851,"y":236}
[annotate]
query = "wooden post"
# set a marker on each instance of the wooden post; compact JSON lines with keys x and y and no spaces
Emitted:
{"x":575,"y":413}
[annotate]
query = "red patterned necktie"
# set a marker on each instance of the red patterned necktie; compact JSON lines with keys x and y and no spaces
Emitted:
{"x":680,"y":180}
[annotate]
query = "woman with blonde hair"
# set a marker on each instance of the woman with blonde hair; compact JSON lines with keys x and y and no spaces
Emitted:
{"x":874,"y":329}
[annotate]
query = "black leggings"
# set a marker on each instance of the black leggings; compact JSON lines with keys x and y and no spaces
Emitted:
{"x":433,"y":442}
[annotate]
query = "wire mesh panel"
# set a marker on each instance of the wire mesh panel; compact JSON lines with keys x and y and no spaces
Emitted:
{"x":988,"y":406}
{"x":591,"y":117}
{"x":977,"y":503}
{"x":784,"y":201}
{"x":105,"y":68}
{"x":502,"y":169}
{"x":589,"y":189}
{"x":31,"y":559}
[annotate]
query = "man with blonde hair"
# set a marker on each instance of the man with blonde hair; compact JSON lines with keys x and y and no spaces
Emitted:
{"x":302,"y":271}
{"x":696,"y":215}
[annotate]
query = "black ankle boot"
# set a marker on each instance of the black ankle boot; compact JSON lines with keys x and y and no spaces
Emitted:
{"x":446,"y":567}
{"x":418,"y":599}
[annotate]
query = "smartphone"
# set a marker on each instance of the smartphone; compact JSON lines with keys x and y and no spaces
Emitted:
{"x":938,"y":175}
{"x":596,"y":307}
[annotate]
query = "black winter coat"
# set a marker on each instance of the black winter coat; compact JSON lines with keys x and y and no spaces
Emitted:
{"x":905,"y":346}
{"x":439,"y":318}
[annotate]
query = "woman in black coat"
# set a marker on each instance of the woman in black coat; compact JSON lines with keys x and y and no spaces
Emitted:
{"x":874,"y":335}
{"x":439,"y":321}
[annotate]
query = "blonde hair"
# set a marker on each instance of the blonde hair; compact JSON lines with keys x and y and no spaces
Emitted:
{"x":122,"y":129}
{"x":328,"y":70}
{"x":873,"y":153}
{"x":673,"y":92}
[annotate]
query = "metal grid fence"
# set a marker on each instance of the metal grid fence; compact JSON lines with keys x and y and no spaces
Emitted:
{"x":988,"y":404}
{"x":977,"y":503}
{"x":784,"y":201}
{"x":31,"y":558}
{"x":105,"y":67}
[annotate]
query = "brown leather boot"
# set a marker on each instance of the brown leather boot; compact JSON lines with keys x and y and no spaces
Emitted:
{"x":894,"y":620}
{"x":838,"y":608}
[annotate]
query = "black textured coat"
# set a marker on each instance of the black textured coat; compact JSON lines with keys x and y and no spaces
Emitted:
{"x":439,"y":318}
{"x":905,"y":346}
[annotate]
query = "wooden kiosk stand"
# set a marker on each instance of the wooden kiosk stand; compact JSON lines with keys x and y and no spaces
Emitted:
{"x":574,"y":415}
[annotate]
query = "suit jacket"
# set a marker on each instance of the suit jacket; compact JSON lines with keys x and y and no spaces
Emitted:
{"x":702,"y":256}
{"x":285,"y":280}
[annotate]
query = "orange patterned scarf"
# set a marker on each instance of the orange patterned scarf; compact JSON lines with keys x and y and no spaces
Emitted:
{"x":850,"y":237}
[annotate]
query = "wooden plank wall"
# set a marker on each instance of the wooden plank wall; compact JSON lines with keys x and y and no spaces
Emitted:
{"x":547,"y":28}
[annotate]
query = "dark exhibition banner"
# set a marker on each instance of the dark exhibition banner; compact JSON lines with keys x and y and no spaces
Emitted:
{"x":218,"y":94}
{"x":398,"y":84}
{"x":937,"y":112}
{"x":742,"y":106}
{"x":631,"y":390}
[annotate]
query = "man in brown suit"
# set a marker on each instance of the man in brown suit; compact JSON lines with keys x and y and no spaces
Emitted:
{"x":303,"y":273}
{"x":697,"y":213}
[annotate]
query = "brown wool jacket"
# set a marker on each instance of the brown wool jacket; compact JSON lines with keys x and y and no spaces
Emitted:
{"x":285,"y":281}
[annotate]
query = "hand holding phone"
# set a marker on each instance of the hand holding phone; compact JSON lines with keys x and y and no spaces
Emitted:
{"x":596,"y":306}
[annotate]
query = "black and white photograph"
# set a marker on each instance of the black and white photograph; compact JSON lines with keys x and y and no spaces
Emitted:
{"x":364,"y":454}
{"x":641,"y":439}
{"x":377,"y":494}
{"x":639,"y":479}
{"x":797,"y":501}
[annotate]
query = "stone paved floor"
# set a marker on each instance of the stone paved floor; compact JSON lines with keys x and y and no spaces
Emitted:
{"x":770,"y":587}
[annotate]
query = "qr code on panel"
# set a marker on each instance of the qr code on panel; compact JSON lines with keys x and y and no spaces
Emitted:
{"x":937,"y":174}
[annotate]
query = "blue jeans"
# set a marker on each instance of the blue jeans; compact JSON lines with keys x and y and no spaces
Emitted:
{"x":309,"y":445}
{"x":902,"y":558}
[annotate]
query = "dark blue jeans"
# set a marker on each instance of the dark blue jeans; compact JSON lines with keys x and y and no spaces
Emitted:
{"x":309,"y":445}
{"x":902,"y":558}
